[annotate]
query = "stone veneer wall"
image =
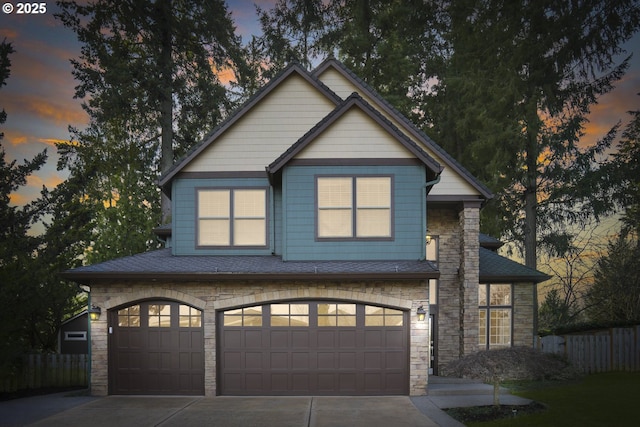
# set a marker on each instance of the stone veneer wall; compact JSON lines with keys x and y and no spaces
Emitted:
{"x":444,"y":224}
{"x":209,"y":297}
{"x":470,"y":273}
{"x":523,"y":306}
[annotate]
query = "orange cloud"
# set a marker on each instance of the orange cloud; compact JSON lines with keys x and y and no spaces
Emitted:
{"x":18,"y":199}
{"x":8,"y":33}
{"x":15,"y":138}
{"x":49,"y":181}
{"x":46,"y":109}
{"x":51,"y":141}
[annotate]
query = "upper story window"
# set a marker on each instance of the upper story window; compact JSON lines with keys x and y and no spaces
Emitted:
{"x":354,"y":207}
{"x":232,"y":217}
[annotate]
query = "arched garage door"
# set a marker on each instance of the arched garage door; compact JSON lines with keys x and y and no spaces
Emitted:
{"x":156,"y":347}
{"x":313,"y":348}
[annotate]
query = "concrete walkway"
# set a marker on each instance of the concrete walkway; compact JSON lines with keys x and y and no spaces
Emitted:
{"x":67,"y":409}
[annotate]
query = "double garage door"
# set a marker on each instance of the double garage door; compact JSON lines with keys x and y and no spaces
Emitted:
{"x":313,"y":348}
{"x":292,"y":348}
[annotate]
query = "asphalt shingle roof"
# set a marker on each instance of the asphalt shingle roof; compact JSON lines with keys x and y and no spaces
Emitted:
{"x":162,"y":264}
{"x":494,"y":267}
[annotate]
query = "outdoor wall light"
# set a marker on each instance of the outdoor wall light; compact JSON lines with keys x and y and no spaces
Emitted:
{"x":94,"y":312}
{"x":422,"y":313}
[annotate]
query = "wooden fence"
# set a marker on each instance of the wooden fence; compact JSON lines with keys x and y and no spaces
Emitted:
{"x":615,"y":349}
{"x":48,"y":370}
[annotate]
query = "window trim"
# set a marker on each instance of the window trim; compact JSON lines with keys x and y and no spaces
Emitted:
{"x":354,"y":209}
{"x":232,"y":218}
{"x":487,"y":308}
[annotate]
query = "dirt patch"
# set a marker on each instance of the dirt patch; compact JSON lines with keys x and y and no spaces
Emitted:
{"x":491,"y":413}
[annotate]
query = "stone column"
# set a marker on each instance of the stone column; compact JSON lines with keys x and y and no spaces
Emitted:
{"x":469,"y":276}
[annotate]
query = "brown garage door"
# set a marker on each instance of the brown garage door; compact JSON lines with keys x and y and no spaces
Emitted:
{"x":156,"y":347}
{"x":313,"y":348}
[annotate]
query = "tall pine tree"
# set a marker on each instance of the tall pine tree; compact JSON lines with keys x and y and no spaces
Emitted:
{"x":512,"y":101}
{"x":149,"y":75}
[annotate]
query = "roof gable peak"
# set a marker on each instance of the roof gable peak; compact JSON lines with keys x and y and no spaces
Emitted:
{"x":355,"y":100}
{"x":292,"y":69}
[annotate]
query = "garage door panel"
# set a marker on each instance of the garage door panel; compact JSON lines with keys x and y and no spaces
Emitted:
{"x":347,"y":339}
{"x":373,"y":338}
{"x":328,"y":356}
{"x":150,"y":353}
{"x":300,"y":382}
{"x":279,"y":339}
{"x":327,"y":382}
{"x":280,"y":382}
{"x":395,"y":338}
{"x":300,"y":360}
{"x":373,"y":360}
{"x":326,"y":360}
{"x":326,"y":338}
{"x":279,"y":360}
{"x":394,"y":360}
{"x":347,"y":360}
{"x":233,"y":360}
{"x":372,"y":381}
{"x":254,"y":360}
{"x":347,"y":383}
{"x":253,"y":338}
{"x":233,"y":338}
{"x":300,"y":339}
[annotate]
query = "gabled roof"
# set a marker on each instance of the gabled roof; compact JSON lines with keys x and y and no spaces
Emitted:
{"x":410,"y":127}
{"x":496,"y":268}
{"x":242,"y":110}
{"x":355,"y":101}
{"x":162,"y":265}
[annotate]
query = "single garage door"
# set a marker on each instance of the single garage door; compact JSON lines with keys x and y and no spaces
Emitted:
{"x":156,"y":347}
{"x":313,"y":348}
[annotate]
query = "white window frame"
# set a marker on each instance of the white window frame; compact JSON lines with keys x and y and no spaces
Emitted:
{"x":232,"y":216}
{"x":354,"y":208}
{"x":494,"y":317}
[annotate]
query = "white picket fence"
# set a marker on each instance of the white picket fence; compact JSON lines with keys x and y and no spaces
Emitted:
{"x":48,"y":370}
{"x":614,"y":349}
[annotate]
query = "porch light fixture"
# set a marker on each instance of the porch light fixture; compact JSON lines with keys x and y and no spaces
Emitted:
{"x":94,"y":312}
{"x":422,"y":313}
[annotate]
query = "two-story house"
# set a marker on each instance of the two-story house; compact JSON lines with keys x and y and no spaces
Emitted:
{"x":320,"y":244}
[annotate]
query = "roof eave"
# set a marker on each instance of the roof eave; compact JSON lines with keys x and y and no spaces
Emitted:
{"x":85,"y":277}
{"x":513,"y":279}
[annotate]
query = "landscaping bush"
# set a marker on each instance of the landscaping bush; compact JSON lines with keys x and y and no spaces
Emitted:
{"x":510,"y":364}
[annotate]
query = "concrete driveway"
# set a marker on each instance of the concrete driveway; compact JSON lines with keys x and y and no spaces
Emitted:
{"x":242,"y":412}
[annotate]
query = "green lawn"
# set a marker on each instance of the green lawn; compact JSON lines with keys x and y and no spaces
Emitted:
{"x":611,"y":399}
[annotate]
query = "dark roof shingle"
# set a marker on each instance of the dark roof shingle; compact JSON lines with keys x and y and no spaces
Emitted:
{"x":161,"y":264}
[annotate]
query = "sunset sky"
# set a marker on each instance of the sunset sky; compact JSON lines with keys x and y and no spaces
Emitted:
{"x":38,"y":96}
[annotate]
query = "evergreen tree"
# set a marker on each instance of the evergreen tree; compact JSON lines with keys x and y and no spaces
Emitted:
{"x":149,"y":74}
{"x":292,"y":32}
{"x":389,"y":44}
{"x":615,"y":294}
{"x":618,"y":182}
{"x":34,"y":301}
{"x":514,"y":92}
